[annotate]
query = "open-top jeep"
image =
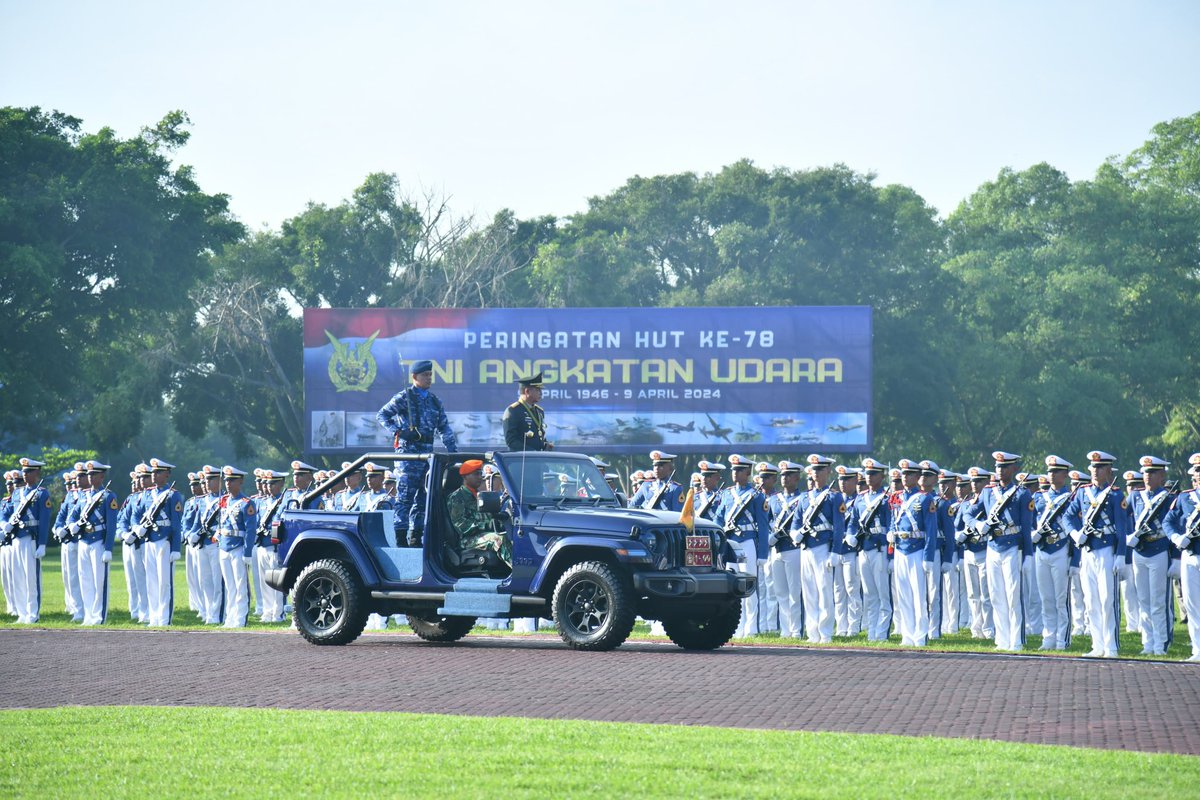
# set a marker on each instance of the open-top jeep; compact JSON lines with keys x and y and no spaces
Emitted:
{"x":577,"y":556}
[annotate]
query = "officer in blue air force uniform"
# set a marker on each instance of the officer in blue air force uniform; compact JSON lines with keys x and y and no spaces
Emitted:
{"x":744,"y":518}
{"x":929,"y":480}
{"x":69,"y":545}
{"x":974,"y":555}
{"x":94,"y":522}
{"x":914,"y":534}
{"x":238,"y":520}
{"x":1052,"y":557}
{"x":28,"y":525}
{"x":662,"y":493}
{"x":708,"y":498}
{"x":872,"y":519}
{"x":415,"y":416}
{"x":819,"y":522}
{"x":783,"y":562}
{"x":1098,"y":521}
{"x":1150,"y":556}
{"x":1183,"y":525}
{"x":847,"y":584}
{"x":156,"y":523}
{"x":6,"y":509}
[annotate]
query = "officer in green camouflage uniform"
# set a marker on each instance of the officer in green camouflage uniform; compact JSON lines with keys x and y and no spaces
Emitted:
{"x":475,"y":529}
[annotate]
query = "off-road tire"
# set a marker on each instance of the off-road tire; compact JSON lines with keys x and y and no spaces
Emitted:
{"x":705,"y":633}
{"x":330,"y":603}
{"x":435,"y":628}
{"x":593,"y":607}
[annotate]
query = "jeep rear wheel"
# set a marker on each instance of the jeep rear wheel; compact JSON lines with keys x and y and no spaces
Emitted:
{"x":435,"y":628}
{"x":593,"y":607}
{"x":705,"y":633}
{"x":329,"y":603}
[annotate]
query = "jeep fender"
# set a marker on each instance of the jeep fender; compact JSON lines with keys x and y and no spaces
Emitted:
{"x":574,"y":548}
{"x":330,"y":544}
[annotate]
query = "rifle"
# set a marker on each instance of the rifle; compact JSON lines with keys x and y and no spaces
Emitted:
{"x":83,"y":523}
{"x":1191,"y":527}
{"x":864,"y":522}
{"x":264,"y":525}
{"x":206,"y":524}
{"x":1142,"y":527}
{"x":806,"y":528}
{"x":712,"y":498}
{"x":1089,"y":529}
{"x":782,"y":528}
{"x":731,"y":528}
{"x":17,"y":521}
{"x":148,"y":522}
{"x":661,"y":490}
{"x":993,"y":518}
{"x":1049,"y":516}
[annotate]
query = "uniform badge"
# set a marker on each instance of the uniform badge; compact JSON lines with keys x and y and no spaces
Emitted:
{"x":1124,"y":503}
{"x":249,"y":509}
{"x":1031,"y":506}
{"x":766,"y":506}
{"x":47,"y":502}
{"x":178,"y":506}
{"x":842,"y":509}
{"x":113,"y":504}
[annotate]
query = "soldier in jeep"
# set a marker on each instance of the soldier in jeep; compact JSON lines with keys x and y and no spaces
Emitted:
{"x":474,"y":529}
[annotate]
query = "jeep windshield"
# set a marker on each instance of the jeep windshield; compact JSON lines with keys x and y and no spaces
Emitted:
{"x":562,"y":479}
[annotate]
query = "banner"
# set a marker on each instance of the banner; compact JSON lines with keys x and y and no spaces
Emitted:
{"x":616,"y":380}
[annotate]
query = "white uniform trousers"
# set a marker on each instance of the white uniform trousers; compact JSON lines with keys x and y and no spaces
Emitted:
{"x":768,"y":609}
{"x":1100,"y":597}
{"x":784,"y":572}
{"x":525,"y":625}
{"x":69,"y":565}
{"x":272,"y":600}
{"x":1189,"y":580}
{"x":195,"y":601}
{"x":816,"y":584}
{"x":1004,"y":569}
{"x":847,"y":595}
{"x":951,"y":598}
{"x":1153,"y":592}
{"x":212,"y":587}
{"x":160,"y":582}
{"x":911,"y":610}
{"x":135,"y":581}
{"x":237,"y":588}
{"x":1131,"y":603}
{"x":1031,"y":600}
{"x":256,"y":581}
{"x":1052,"y":587}
{"x":6,"y":578}
{"x":1079,"y":623}
{"x":933,"y":597}
{"x":877,"y":594}
{"x":749,"y":623}
{"x":979,"y":597}
{"x":93,"y":582}
{"x":26,"y":580}
{"x":964,"y":608}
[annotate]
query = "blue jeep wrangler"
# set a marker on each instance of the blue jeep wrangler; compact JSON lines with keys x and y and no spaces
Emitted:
{"x":577,"y":556}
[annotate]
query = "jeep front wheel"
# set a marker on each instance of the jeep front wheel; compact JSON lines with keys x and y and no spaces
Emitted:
{"x":593,"y":607}
{"x":329,"y":604}
{"x":435,"y":628}
{"x":705,"y":633}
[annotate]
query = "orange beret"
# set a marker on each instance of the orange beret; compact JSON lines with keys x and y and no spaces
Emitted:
{"x":470,"y":466}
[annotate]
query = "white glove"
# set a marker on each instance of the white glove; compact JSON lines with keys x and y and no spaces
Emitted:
{"x":927,"y":566}
{"x":960,"y":536}
{"x":40,"y":552}
{"x":829,"y":565}
{"x":138,"y":530}
{"x":1073,"y":572}
{"x":851,"y":540}
{"x":128,"y":538}
{"x":1035,"y":537}
{"x":1173,"y":570}
{"x":772,"y":539}
{"x":58,"y":532}
{"x":107,"y":557}
{"x":74,"y":528}
{"x":5,"y":528}
{"x":891,"y":538}
{"x":1123,"y":571}
{"x":891,"y":566}
{"x":1131,"y":540}
{"x":946,"y":567}
{"x":175,"y":556}
{"x":193,"y":538}
{"x":246,"y":559}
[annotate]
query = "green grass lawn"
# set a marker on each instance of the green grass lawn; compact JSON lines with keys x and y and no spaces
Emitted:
{"x":55,"y":616}
{"x":203,"y":752}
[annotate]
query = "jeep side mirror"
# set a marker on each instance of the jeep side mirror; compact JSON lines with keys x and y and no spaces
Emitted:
{"x":489,"y":502}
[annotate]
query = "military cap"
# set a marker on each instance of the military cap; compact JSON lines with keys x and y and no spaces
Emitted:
{"x":908,"y":465}
{"x":1043,"y":480}
{"x":929,"y":467}
{"x":1005,"y":459}
{"x":271,"y":476}
{"x":766,"y":468}
{"x":194,"y":478}
{"x":469,"y":466}
{"x":947,"y":476}
{"x":962,"y":479}
{"x":1076,"y":475}
{"x":1151,"y":463}
{"x":1194,"y":461}
{"x":872,"y":467}
{"x":491,"y":469}
{"x":80,"y":466}
{"x":710,"y":467}
{"x":844,"y":472}
{"x":346,"y":465}
{"x":1027,"y":478}
{"x":739,"y":462}
{"x":419,"y":366}
{"x":696,"y":479}
{"x":979,"y":474}
{"x":388,"y":475}
{"x":158,"y":465}
{"x":532,"y":381}
{"x":230,"y":472}
{"x":894,"y":474}
{"x":209,"y":471}
{"x":28,"y":464}
{"x":1056,"y":463}
{"x":300,"y":466}
{"x":789,"y":467}
{"x":819,"y":461}
{"x":142,"y":469}
{"x":611,"y":477}
{"x":68,"y":476}
{"x":1099,"y":458}
{"x":659,"y":457}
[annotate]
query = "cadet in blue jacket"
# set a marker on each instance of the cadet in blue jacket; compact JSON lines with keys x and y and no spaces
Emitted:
{"x":1149,"y":547}
{"x":820,"y":521}
{"x":1052,"y":557}
{"x":744,"y":518}
{"x":156,"y":525}
{"x":95,"y":523}
{"x":847,"y":583}
{"x":914,"y":534}
{"x":238,"y":521}
{"x":872,"y":520}
{"x":1183,"y":525}
{"x":661,"y":493}
{"x":28,"y":525}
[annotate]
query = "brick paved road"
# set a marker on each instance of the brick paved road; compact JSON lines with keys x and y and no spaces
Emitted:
{"x":1124,"y":705}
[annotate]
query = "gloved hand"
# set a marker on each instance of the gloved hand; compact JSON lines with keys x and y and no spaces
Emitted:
{"x":40,"y":553}
{"x":891,"y":537}
{"x":139,"y":530}
{"x":946,"y":567}
{"x":1131,"y":541}
{"x":772,"y":539}
{"x":247,"y":560}
{"x":1124,"y":572}
{"x":107,"y":557}
{"x":128,"y":538}
{"x":1073,"y":572}
{"x":1035,"y":537}
{"x":829,"y":565}
{"x":851,"y":540}
{"x":175,"y":556}
{"x":59,"y":533}
{"x":193,"y":538}
{"x":5,"y":527}
{"x":74,"y":528}
{"x":1079,"y":537}
{"x":960,"y":536}
{"x":927,"y":566}
{"x":1173,"y":569}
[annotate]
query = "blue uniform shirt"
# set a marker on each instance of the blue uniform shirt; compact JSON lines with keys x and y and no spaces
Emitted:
{"x":828,"y":519}
{"x":36,"y":516}
{"x":417,"y":415}
{"x":875,"y":536}
{"x":101,"y":523}
{"x":1111,"y":519}
{"x":1047,"y":504}
{"x":780,"y":505}
{"x":669,"y":496}
{"x":1185,"y":510}
{"x":1015,"y":522}
{"x":1154,"y":535}
{"x":238,"y":518}
{"x":169,"y":504}
{"x":915,"y":523}
{"x":745,"y":510}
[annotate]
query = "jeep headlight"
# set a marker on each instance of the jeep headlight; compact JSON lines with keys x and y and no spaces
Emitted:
{"x":650,"y":539}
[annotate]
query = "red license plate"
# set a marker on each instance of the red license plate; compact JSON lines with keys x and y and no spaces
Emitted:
{"x":697,"y":552}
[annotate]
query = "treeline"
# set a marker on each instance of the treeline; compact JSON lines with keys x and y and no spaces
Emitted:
{"x":1041,"y":315}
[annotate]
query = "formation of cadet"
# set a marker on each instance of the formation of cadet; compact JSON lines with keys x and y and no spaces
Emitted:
{"x":1002,"y":553}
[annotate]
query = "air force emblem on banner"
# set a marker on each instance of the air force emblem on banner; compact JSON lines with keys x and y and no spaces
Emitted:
{"x":352,"y":368}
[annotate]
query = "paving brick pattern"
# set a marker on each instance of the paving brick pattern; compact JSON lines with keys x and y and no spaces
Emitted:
{"x":1090,"y":703}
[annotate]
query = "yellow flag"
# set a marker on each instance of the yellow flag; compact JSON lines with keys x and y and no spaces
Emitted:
{"x":687,"y":517}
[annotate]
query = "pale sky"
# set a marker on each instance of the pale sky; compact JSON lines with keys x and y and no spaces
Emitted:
{"x":537,"y":106}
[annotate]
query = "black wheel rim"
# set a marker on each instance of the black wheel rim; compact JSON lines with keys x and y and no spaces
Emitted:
{"x":588,"y":607}
{"x":323,"y":603}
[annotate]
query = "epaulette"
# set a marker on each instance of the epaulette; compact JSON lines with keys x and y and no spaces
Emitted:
{"x":514,"y":405}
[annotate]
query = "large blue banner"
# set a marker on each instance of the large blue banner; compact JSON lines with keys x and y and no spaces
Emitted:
{"x":616,"y":380}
